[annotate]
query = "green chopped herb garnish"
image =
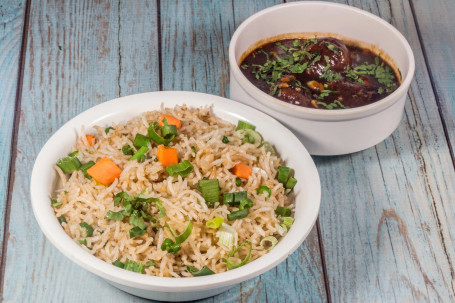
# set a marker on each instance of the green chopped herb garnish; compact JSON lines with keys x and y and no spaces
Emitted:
{"x":62,"y":219}
{"x":118,"y":263}
{"x":150,"y":263}
{"x":133,"y":266}
{"x":136,"y":231}
{"x":55,"y":203}
{"x":127,"y":150}
{"x":88,"y":229}
{"x":225,"y":140}
{"x":114,"y":215}
{"x":108,"y":129}
{"x":332,"y":47}
{"x":204,"y":271}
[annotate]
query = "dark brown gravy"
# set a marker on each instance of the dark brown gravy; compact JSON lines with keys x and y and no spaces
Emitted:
{"x":322,"y":73}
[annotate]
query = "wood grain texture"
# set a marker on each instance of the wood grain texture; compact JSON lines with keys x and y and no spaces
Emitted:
{"x":434,"y":21}
{"x":12,"y":15}
{"x":386,"y":212}
{"x":79,"y":54}
{"x":195,"y":41}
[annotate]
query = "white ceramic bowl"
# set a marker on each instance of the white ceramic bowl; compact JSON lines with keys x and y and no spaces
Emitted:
{"x":325,"y":132}
{"x":307,"y":190}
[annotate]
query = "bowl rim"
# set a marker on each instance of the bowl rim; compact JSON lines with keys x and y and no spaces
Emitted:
{"x":69,"y":248}
{"x":313,"y":113}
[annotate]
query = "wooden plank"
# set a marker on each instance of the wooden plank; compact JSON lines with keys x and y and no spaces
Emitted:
{"x":79,"y":54}
{"x":435,"y":23}
{"x":12,"y":16}
{"x":195,"y":40}
{"x":386,"y":212}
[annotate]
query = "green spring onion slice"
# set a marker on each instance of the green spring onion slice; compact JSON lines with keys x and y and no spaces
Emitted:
{"x":283,"y":211}
{"x":133,"y":266}
{"x":141,"y":140}
{"x":69,"y":164}
{"x":108,"y":129}
{"x":240,"y":195}
{"x":291,"y":183}
{"x":227,"y":235}
{"x":245,"y":125}
{"x":268,"y":148}
{"x":281,"y":229}
{"x":182,"y":237}
{"x":210,"y":190}
{"x":160,"y":206}
{"x":118,"y":263}
{"x":110,"y":215}
{"x":287,"y":221}
{"x":169,"y":246}
{"x":73,"y":154}
{"x":141,"y":152}
{"x":204,"y":271}
{"x":264,"y":189}
{"x":84,"y":168}
{"x":183,"y":169}
{"x":240,"y":214}
{"x":283,"y":174}
{"x":136,"y":231}
{"x":214,"y":223}
{"x":229,"y":265}
{"x":225,"y":140}
{"x":154,"y":135}
{"x":83,"y":242}
{"x":88,"y":229}
{"x":269,"y":242}
{"x":248,"y":136}
{"x":62,"y":219}
{"x":246,"y":204}
{"x":228,"y":198}
{"x":169,"y":132}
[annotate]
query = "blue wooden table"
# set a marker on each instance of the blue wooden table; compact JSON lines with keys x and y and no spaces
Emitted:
{"x":386,"y":229}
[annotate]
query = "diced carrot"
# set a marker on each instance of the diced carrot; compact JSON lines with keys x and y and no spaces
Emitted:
{"x":90,"y":139}
{"x":285,"y":79}
{"x":171,"y":120}
{"x":167,"y":156}
{"x":104,"y":171}
{"x":242,"y":170}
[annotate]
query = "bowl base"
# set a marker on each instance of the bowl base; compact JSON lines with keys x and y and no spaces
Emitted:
{"x":171,"y":296}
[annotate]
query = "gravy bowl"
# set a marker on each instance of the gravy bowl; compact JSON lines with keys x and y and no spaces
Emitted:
{"x":325,"y":132}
